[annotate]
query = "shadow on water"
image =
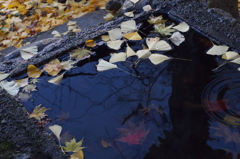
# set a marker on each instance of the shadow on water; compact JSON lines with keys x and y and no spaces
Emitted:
{"x":159,"y":115}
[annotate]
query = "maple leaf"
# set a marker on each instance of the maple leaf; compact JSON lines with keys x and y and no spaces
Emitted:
{"x":38,"y":112}
{"x":80,"y":53}
{"x":73,"y":146}
{"x":134,"y":135}
{"x":163,"y":30}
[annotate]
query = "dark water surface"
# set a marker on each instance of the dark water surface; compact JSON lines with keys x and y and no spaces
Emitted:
{"x":175,"y":110}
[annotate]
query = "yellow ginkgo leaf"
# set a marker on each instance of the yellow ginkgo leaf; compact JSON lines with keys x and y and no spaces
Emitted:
{"x":53,"y":67}
{"x":116,"y":57}
{"x":130,"y":52}
{"x":128,"y":26}
{"x":217,"y":50}
{"x":105,"y":38}
{"x":22,"y":82}
{"x":77,"y":155}
{"x":104,"y":65}
{"x":115,"y":44}
{"x":33,"y":71}
{"x":56,"y":80}
{"x":56,"y":129}
{"x":183,"y":27}
{"x":158,"y":58}
{"x":133,"y":36}
{"x":90,"y":43}
{"x":230,"y":55}
{"x":115,"y":34}
{"x":108,"y":17}
{"x":129,"y":14}
{"x":29,"y":52}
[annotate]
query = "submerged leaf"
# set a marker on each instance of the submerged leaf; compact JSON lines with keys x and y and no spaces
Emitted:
{"x":105,"y":143}
{"x":33,"y":71}
{"x":73,"y":146}
{"x":104,"y":65}
{"x":56,"y":129}
{"x":158,"y":58}
{"x":29,"y":88}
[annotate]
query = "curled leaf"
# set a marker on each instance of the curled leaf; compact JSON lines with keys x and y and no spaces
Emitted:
{"x":155,"y":44}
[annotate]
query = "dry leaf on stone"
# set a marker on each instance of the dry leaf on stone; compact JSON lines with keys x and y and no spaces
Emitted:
{"x":133,"y":36}
{"x":90,"y":43}
{"x":22,"y":82}
{"x":129,"y":14}
{"x":105,"y":38}
{"x":128,"y":26}
{"x":33,"y":71}
{"x":80,"y":53}
{"x":56,"y":80}
{"x":108,"y":17}
{"x":177,"y":38}
{"x":217,"y":50}
{"x":56,"y":129}
{"x":115,"y":44}
{"x":3,"y":76}
{"x":183,"y":27}
{"x":158,"y":58}
{"x":29,"y":52}
{"x":11,"y":87}
{"x":38,"y":112}
{"x":147,"y":8}
{"x":115,"y":34}
{"x":116,"y":57}
{"x":56,"y":34}
{"x":53,"y":67}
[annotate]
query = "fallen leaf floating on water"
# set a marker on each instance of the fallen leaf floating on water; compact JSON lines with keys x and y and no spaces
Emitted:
{"x":163,"y":30}
{"x":80,"y":53}
{"x":217,"y":50}
{"x":158,"y":58}
{"x":116,"y":57}
{"x":33,"y":71}
{"x":56,"y":80}
{"x":183,"y":27}
{"x":3,"y":76}
{"x":129,"y":14}
{"x":156,"y":20}
{"x":115,"y":44}
{"x":147,"y":8}
{"x":77,"y":155}
{"x":133,"y":36}
{"x":157,"y":44}
{"x":24,"y":96}
{"x":128,"y":26}
{"x":22,"y":82}
{"x":38,"y":112}
{"x":73,"y":146}
{"x":56,"y":129}
{"x":230,"y":55}
{"x":105,"y":143}
{"x":68,"y":65}
{"x":177,"y":38}
{"x":29,"y":52}
{"x":130,"y":52}
{"x":115,"y":34}
{"x":11,"y":87}
{"x":29,"y":88}
{"x":104,"y":65}
{"x":53,"y":67}
{"x":143,"y":54}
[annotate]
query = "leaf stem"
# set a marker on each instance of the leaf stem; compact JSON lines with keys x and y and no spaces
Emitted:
{"x":182,"y":59}
{"x":128,"y":72}
{"x":225,"y":62}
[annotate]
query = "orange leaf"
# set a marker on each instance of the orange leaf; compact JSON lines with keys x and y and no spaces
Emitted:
{"x":90,"y":43}
{"x":53,"y":67}
{"x":33,"y":71}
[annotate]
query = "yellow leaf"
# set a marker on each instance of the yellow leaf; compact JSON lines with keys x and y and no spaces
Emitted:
{"x":73,"y":146}
{"x":33,"y":71}
{"x":38,"y":112}
{"x":133,"y":36}
{"x":53,"y":67}
{"x":230,"y":55}
{"x":80,"y":53}
{"x":108,"y":17}
{"x":115,"y":44}
{"x":77,"y":155}
{"x":56,"y":80}
{"x":105,"y":38}
{"x":90,"y":43}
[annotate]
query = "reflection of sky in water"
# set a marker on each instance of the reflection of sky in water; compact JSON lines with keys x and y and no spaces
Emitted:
{"x":100,"y":103}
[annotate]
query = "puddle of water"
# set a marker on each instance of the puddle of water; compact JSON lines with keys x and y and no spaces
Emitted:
{"x":163,"y":114}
